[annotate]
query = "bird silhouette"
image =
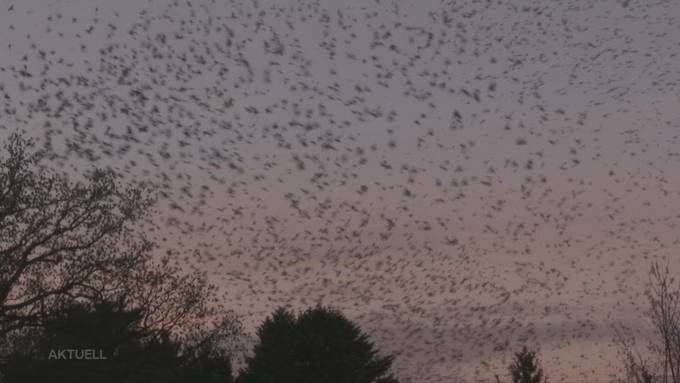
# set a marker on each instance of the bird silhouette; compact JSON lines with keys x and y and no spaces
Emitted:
{"x":458,"y":177}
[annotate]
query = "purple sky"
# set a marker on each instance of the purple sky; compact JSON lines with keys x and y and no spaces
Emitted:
{"x":458,"y":177}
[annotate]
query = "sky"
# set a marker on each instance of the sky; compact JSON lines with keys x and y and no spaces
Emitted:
{"x":459,"y":177}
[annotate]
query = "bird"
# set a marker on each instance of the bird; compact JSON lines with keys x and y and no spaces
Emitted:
{"x":460,"y":178}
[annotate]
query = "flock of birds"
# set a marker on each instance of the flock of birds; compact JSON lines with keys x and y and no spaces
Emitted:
{"x":459,"y":177}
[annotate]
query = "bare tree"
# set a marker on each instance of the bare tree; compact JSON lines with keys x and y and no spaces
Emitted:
{"x":637,"y":368}
{"x":62,"y":241}
{"x":664,"y":300}
{"x":59,"y":239}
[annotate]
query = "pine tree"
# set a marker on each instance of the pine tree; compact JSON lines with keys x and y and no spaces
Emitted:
{"x":318,"y":345}
{"x":525,"y":369}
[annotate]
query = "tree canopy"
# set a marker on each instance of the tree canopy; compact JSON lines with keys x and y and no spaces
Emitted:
{"x":525,"y":368}
{"x":75,"y":270}
{"x":107,"y":343}
{"x":318,"y":345}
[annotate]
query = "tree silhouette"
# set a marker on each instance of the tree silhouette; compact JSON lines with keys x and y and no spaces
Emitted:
{"x":524,"y":368}
{"x":319,"y":345}
{"x":68,"y":248}
{"x":122,"y":350}
{"x":662,"y":364}
{"x":60,"y":239}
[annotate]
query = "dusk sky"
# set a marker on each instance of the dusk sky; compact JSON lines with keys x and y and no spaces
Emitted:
{"x":459,"y":177}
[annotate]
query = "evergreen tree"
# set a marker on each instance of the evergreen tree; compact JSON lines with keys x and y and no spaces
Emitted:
{"x":319,"y":345}
{"x":120,"y":350}
{"x":525,"y":369}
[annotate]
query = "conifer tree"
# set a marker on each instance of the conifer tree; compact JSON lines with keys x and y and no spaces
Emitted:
{"x":525,"y":368}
